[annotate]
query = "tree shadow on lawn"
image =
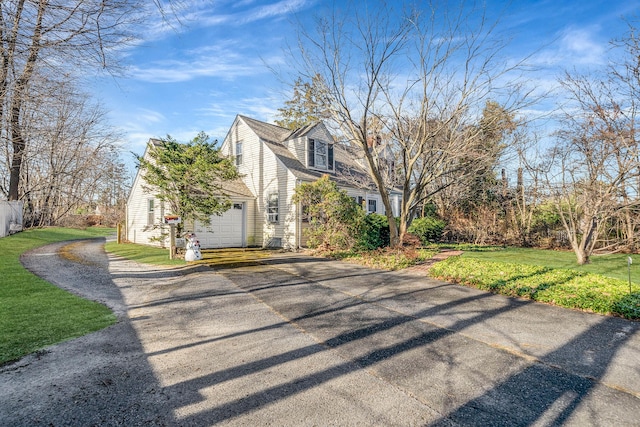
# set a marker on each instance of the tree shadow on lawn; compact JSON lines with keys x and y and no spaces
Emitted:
{"x":554,"y":286}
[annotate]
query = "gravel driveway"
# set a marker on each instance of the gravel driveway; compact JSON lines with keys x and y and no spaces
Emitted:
{"x":304,"y":341}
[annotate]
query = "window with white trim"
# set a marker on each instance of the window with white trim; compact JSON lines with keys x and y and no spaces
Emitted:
{"x":372,"y":206}
{"x":238,"y":153}
{"x":320,"y":155}
{"x":272,"y":207}
{"x":151,"y":207}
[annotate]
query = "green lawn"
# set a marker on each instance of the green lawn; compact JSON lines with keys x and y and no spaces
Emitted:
{"x":35,"y":313}
{"x":384,"y":258}
{"x":550,"y":276}
{"x":614,"y":266}
{"x":143,"y":253}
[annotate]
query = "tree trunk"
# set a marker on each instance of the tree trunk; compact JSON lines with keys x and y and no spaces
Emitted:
{"x":581,"y":256}
{"x":16,"y":164}
{"x":17,"y":99}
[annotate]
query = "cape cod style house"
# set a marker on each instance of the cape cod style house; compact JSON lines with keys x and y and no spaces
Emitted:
{"x":272,"y":161}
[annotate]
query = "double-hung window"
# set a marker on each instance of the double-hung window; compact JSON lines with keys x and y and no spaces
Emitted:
{"x":151,"y":207}
{"x":320,"y":154}
{"x":272,"y":207}
{"x":372,"y":205}
{"x":238,"y":153}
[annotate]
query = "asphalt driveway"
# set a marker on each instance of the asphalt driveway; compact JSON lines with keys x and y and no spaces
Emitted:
{"x":304,"y":341}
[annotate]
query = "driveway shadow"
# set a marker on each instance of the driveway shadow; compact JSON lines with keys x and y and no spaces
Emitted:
{"x":566,"y":384}
{"x":298,"y":340}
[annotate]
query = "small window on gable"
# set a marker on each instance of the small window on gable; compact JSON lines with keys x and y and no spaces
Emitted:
{"x":272,"y":207}
{"x":372,"y":205}
{"x":238,"y":153}
{"x":320,"y":155}
{"x":151,"y":206}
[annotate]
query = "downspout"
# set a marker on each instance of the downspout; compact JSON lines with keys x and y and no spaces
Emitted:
{"x":298,"y":222}
{"x":126,"y":223}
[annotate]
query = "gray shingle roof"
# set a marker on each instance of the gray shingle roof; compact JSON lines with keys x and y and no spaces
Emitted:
{"x":348,"y":171}
{"x":233,"y":188}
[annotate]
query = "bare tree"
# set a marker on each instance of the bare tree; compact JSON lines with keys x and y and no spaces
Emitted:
{"x":526,"y":199}
{"x":51,"y":34}
{"x":72,"y":153}
{"x":596,"y":159}
{"x":627,"y":72}
{"x":409,"y":86}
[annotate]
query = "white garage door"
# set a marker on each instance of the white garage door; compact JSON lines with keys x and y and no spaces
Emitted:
{"x":225,"y":231}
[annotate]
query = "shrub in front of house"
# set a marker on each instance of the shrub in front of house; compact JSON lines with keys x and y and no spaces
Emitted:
{"x":374,"y":233}
{"x":427,"y":229}
{"x":334,"y":219}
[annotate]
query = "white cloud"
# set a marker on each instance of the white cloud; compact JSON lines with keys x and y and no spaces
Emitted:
{"x":150,"y":116}
{"x":219,"y":63}
{"x":279,"y":9}
{"x":580,"y":46}
{"x":138,"y":126}
{"x":199,"y":14}
{"x":261,"y":108}
{"x":574,"y":47}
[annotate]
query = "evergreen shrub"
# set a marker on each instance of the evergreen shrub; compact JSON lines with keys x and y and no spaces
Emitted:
{"x":427,"y":229}
{"x":375,"y":233}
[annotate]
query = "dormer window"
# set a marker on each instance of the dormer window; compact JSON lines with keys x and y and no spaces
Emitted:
{"x":320,"y":155}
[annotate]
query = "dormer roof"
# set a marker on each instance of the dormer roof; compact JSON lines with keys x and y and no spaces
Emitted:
{"x":275,"y":133}
{"x":347,"y":171}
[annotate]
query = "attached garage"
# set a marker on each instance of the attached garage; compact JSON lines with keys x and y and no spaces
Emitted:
{"x":225,"y":231}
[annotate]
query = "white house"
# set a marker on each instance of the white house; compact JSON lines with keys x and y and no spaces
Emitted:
{"x":272,"y":161}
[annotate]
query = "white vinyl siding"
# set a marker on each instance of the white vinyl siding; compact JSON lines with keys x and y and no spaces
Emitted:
{"x":139,"y":229}
{"x":260,"y":173}
{"x":298,"y":147}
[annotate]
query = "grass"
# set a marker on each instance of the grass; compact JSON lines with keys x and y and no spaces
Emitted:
{"x":548,"y":276}
{"x":143,"y":253}
{"x":233,"y":257}
{"x":384,"y":258}
{"x":614,"y":266}
{"x":217,"y":258}
{"x":35,"y":313}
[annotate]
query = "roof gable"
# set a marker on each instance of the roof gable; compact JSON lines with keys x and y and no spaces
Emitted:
{"x":266,"y":131}
{"x":275,"y":133}
{"x":347,"y":170}
{"x":233,"y":188}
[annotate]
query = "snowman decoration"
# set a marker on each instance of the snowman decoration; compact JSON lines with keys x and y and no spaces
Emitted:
{"x":193,"y":248}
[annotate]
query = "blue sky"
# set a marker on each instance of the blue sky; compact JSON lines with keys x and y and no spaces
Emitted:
{"x":199,"y":75}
